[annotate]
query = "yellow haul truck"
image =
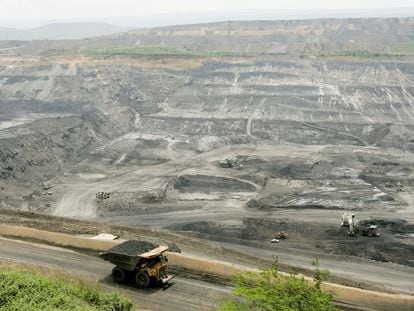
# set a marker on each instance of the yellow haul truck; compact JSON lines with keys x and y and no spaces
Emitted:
{"x":142,"y":260}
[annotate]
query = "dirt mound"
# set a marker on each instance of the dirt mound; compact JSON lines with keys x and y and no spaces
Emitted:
{"x":260,"y":205}
{"x":205,"y":183}
{"x":250,"y":229}
{"x":384,"y":248}
{"x":393,"y":225}
{"x":256,"y":204}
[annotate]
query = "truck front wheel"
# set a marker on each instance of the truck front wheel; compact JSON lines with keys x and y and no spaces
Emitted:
{"x":142,"y":279}
{"x":118,"y":274}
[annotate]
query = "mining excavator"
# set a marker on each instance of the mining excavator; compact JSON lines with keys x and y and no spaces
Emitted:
{"x":348,"y":221}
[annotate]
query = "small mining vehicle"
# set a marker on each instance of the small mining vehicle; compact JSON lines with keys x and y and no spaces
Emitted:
{"x":282,"y":235}
{"x":143,"y":261}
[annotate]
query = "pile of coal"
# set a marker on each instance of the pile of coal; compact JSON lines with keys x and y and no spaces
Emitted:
{"x":133,"y":247}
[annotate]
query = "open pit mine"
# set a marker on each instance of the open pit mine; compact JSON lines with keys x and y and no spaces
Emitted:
{"x":230,"y":134}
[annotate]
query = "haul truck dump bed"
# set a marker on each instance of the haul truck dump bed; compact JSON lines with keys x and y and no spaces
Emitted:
{"x":142,"y":260}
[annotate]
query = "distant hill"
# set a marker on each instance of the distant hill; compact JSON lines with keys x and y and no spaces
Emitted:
{"x":171,"y":19}
{"x":364,"y":37}
{"x":293,"y":37}
{"x":199,"y":17}
{"x":60,"y":31}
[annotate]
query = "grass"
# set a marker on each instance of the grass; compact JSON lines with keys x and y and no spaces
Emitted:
{"x":361,"y":54}
{"x":406,"y":48}
{"x":24,"y":288}
{"x":396,"y":50}
{"x":155,"y":50}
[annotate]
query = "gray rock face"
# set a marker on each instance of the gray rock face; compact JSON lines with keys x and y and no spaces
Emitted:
{"x":72,"y":109}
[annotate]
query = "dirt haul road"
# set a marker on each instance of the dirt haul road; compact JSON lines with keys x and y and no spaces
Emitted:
{"x":382,"y":276}
{"x":183,"y":294}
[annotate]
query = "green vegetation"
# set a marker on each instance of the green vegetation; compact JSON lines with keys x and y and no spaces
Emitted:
{"x":31,"y":289}
{"x":272,"y":291}
{"x":406,"y":48}
{"x":138,"y":51}
{"x":361,"y":54}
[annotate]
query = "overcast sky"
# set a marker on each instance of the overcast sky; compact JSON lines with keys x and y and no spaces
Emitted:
{"x":67,"y":9}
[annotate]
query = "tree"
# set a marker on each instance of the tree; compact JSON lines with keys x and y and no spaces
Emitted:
{"x":272,"y":291}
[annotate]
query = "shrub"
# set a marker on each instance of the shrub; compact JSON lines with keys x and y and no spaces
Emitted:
{"x":272,"y":291}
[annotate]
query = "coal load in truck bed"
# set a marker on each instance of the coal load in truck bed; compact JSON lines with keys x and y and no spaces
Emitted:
{"x":133,"y":247}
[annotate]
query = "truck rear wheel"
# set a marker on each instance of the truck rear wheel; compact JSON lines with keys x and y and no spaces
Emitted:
{"x":142,"y":279}
{"x":118,"y":274}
